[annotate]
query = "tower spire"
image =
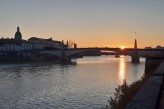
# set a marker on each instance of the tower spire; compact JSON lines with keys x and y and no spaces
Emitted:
{"x":18,"y":35}
{"x":135,"y":57}
{"x":135,"y":45}
{"x":18,"y":29}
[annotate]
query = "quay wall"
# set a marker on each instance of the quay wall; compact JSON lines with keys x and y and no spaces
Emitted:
{"x":148,"y":96}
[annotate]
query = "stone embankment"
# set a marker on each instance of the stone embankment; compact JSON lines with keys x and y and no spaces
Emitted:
{"x":151,"y":95}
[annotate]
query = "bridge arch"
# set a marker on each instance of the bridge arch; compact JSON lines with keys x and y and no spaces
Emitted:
{"x":46,"y":56}
{"x":75,"y":52}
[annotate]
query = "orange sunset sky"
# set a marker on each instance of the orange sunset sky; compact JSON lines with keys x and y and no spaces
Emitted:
{"x":90,"y":23}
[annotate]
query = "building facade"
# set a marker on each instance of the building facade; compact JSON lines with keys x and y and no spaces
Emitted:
{"x":45,"y":44}
{"x":16,"y":44}
{"x":16,"y":49}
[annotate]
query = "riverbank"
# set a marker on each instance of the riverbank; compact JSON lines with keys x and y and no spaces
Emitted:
{"x":150,"y":96}
{"x":126,"y":95}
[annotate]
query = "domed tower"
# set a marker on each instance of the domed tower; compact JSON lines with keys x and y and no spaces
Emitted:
{"x":18,"y":35}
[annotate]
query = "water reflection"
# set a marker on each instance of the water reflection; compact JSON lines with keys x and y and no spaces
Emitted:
{"x":87,"y":84}
{"x":122,"y":69}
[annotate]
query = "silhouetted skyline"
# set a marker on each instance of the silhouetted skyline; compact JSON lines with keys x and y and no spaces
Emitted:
{"x":110,"y":23}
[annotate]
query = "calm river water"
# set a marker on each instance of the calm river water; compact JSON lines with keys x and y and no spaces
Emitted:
{"x":86,"y":85}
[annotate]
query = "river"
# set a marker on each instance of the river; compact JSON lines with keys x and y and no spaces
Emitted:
{"x":87,"y":84}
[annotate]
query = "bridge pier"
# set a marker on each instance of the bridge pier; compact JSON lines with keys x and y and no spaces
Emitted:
{"x":62,"y":57}
{"x":135,"y":59}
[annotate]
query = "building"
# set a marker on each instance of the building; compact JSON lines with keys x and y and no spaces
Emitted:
{"x":45,"y":44}
{"x":159,"y":47}
{"x":16,"y":49}
{"x":18,"y":35}
{"x":16,"y":44}
{"x":34,"y":43}
{"x":12,"y":45}
{"x":148,"y":47}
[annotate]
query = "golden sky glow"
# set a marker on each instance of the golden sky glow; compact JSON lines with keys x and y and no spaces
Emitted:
{"x":90,"y":23}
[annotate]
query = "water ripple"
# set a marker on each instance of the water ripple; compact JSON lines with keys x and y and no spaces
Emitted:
{"x":86,"y":85}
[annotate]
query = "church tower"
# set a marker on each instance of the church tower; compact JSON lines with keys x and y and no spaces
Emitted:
{"x":18,"y":35}
{"x":135,"y":45}
{"x":135,"y":57}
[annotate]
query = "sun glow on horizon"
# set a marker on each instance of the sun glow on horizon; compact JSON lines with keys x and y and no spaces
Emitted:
{"x":123,"y":47}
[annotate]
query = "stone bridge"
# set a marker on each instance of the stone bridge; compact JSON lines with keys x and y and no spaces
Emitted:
{"x":135,"y":53}
{"x":67,"y":53}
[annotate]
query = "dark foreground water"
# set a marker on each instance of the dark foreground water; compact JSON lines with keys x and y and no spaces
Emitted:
{"x":85,"y":85}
